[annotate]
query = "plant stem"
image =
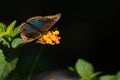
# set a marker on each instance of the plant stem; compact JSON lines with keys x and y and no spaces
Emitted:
{"x":35,"y":62}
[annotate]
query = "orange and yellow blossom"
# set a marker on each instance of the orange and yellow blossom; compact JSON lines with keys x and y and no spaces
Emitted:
{"x":50,"y":38}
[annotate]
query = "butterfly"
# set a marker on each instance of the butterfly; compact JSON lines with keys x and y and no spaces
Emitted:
{"x":36,"y":26}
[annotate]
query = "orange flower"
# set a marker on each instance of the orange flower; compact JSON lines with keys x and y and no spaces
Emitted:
{"x":50,"y":38}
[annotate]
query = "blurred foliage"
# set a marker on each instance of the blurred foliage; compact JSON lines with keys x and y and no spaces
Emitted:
{"x":85,"y":71}
{"x":9,"y":41}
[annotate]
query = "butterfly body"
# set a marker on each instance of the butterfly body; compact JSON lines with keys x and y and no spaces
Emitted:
{"x":34,"y":27}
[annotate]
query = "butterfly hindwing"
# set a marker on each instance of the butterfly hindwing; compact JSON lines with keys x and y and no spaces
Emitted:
{"x":29,"y":36}
{"x":34,"y":27}
{"x":28,"y":33}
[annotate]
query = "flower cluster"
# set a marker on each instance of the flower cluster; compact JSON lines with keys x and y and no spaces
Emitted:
{"x":50,"y":38}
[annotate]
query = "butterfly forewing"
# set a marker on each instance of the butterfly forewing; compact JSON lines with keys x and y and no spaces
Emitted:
{"x":45,"y":22}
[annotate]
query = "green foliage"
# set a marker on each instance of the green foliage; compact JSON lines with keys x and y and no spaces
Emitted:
{"x":10,"y":66}
{"x":71,"y":68}
{"x":16,"y":42}
{"x":111,"y":77}
{"x":117,"y":76}
{"x":8,"y":38}
{"x":9,"y":32}
{"x":6,"y":67}
{"x":15,"y":32}
{"x":2,"y":30}
{"x":85,"y":70}
{"x":4,"y":42}
{"x":107,"y":77}
{"x":2,"y":27}
{"x":10,"y":28}
{"x":2,"y":63}
{"x":8,"y":35}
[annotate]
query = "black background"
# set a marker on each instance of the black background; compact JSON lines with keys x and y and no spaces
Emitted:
{"x":89,"y":30}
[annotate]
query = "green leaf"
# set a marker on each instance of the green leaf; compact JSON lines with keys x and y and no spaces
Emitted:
{"x":2,"y":63}
{"x":15,"y":32}
{"x":2,"y":27}
{"x":3,"y":34}
{"x":71,"y":69}
{"x":4,"y":42}
{"x":6,"y":71}
{"x":9,"y":67}
{"x":84,"y":69}
{"x":94,"y":75}
{"x":108,"y":77}
{"x":10,"y":28}
{"x":13,"y":63}
{"x":5,"y":67}
{"x":17,"y":42}
{"x":117,"y":76}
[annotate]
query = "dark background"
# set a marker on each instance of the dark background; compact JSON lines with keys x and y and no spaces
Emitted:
{"x":89,"y":30}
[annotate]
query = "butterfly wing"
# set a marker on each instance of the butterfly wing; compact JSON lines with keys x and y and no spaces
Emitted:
{"x":44,"y":23}
{"x":28,"y":33}
{"x":36,"y":26}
